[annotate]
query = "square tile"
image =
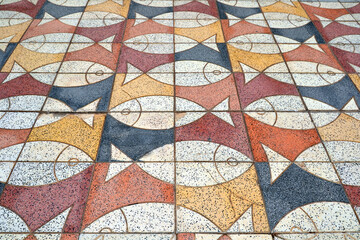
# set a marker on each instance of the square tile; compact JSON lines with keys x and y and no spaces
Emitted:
{"x":139,"y":29}
{"x":220,"y":198}
{"x":87,"y":98}
{"x":102,"y":34}
{"x":117,"y":7}
{"x":138,"y":194}
{"x":151,"y":87}
{"x":133,"y":59}
{"x":12,"y":29}
{"x":51,"y":9}
{"x":91,"y":57}
{"x":12,"y":142}
{"x":202,"y":92}
{"x":342,"y":94}
{"x":55,"y":207}
{"x":80,"y":130}
{"x":208,"y":32}
{"x":135,"y":142}
{"x":235,"y":28}
{"x":213,"y":127}
{"x":243,"y":60}
{"x":203,"y":59}
{"x":17,"y":86}
{"x":35,"y":56}
{"x":154,"y":9}
{"x":22,"y":8}
{"x":51,"y":31}
{"x":202,"y":8}
{"x":323,"y":198}
{"x":17,"y":120}
{"x":285,"y":133}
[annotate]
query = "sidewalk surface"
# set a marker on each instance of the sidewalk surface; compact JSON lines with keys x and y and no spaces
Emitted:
{"x":179,"y":119}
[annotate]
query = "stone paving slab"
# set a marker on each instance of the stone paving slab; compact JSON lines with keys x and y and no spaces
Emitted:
{"x":179,"y":119}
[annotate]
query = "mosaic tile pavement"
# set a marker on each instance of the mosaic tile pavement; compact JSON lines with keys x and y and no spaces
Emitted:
{"x":179,"y":119}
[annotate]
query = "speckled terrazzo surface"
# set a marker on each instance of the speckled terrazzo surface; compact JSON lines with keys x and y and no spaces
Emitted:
{"x":179,"y":119}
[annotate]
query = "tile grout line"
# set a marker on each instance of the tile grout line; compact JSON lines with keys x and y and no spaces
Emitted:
{"x":18,"y":42}
{"x":102,"y":131}
{"x":159,"y":73}
{"x":194,"y":161}
{"x":309,"y":112}
{"x":245,"y":124}
{"x":39,"y":112}
{"x":288,"y":69}
{"x":334,"y":167}
{"x":93,"y":166}
{"x":284,"y":60}
{"x":332,"y":52}
{"x":30,"y":129}
{"x":196,"y":111}
{"x":317,"y":130}
{"x":66,"y":52}
{"x":257,"y":174}
{"x":351,"y":14}
{"x":174,"y":122}
{"x":206,"y":233}
{"x":247,"y":131}
{"x":182,"y":43}
{"x":118,"y":59}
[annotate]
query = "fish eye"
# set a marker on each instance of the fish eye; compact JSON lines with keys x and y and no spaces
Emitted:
{"x":106,"y":230}
{"x":216,"y":72}
{"x":72,"y":162}
{"x":331,"y":73}
{"x":126,"y":111}
{"x":98,"y":69}
{"x":99,"y":73}
{"x":260,"y":111}
{"x":296,"y":229}
{"x":232,"y":161}
{"x":34,"y":45}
